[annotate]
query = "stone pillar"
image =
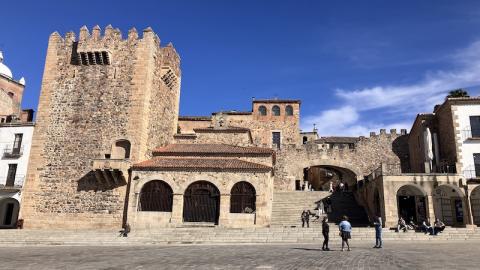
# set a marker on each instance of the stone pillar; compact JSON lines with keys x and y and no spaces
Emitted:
{"x":467,"y":210}
{"x":177,"y":209}
{"x":390,"y":207}
{"x":223,"y":220}
{"x":430,"y":209}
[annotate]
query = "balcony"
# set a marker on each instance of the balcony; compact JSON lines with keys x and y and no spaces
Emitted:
{"x":470,"y":134}
{"x":111,"y":172}
{"x":12,"y":152}
{"x":12,"y":183}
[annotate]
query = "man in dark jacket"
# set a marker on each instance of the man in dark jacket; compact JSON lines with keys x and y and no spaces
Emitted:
{"x":325,"y":231}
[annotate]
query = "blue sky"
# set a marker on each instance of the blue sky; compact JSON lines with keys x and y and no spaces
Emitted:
{"x":356,"y":65}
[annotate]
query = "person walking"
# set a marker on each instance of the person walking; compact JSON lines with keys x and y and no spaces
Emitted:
{"x":345,"y":232}
{"x":325,"y":232}
{"x":377,"y":222}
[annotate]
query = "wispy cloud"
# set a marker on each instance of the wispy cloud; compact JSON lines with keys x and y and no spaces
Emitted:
{"x":403,"y":100}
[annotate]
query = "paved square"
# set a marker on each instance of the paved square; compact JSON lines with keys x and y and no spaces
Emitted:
{"x":416,"y":255}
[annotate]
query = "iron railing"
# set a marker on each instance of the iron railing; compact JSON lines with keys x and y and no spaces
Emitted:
{"x":12,"y":182}
{"x":12,"y":152}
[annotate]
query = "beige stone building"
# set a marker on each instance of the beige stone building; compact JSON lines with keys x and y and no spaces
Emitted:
{"x":110,"y":148}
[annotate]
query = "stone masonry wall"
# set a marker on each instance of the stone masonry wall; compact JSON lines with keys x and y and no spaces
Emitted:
{"x":368,"y":154}
{"x":179,"y":182}
{"x":446,"y":134}
{"x":83,"y":110}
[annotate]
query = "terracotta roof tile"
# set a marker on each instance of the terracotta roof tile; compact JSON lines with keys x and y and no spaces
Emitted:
{"x":222,"y":130}
{"x":277,"y":101}
{"x":337,"y":140}
{"x":194,"y":118}
{"x":211,"y":150}
{"x":199,"y":164}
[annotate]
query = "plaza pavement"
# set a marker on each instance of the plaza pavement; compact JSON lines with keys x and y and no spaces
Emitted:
{"x":395,"y":255}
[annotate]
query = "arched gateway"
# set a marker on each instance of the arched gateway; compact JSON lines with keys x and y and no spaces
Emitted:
{"x":201,"y":203}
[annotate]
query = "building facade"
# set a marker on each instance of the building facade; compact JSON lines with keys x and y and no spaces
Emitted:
{"x":110,"y":148}
{"x":16,"y":129}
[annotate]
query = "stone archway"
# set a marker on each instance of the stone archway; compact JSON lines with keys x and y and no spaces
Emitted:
{"x":412,"y":203}
{"x":449,"y":204}
{"x":475,"y":203}
{"x":201,"y":203}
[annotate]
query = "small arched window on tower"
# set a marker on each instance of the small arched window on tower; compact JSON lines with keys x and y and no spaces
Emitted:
{"x":276,"y":110}
{"x":289,"y":110}
{"x":262,"y":110}
{"x":121,"y":149}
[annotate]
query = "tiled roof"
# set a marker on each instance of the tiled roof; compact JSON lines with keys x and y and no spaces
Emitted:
{"x":337,"y":140}
{"x":232,"y":113}
{"x":194,"y":118}
{"x":199,"y":164}
{"x":210,"y":150}
{"x":277,"y":101}
{"x":222,"y":130}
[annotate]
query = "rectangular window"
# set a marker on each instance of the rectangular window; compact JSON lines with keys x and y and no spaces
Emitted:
{"x":476,"y":161}
{"x":17,"y":144}
{"x":12,"y":171}
{"x":475,"y":126}
{"x":276,"y":139}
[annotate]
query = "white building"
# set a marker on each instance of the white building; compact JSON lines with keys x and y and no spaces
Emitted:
{"x":467,"y":124}
{"x":16,"y":130}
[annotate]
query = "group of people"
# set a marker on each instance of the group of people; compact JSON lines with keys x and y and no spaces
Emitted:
{"x":426,"y":227}
{"x":345,"y":229}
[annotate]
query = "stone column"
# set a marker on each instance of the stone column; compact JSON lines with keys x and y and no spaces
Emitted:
{"x":223,"y":220}
{"x":467,"y":210}
{"x":430,"y":209}
{"x":177,"y":209}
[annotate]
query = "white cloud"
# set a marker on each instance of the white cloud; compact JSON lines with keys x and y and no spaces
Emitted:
{"x":402,"y":100}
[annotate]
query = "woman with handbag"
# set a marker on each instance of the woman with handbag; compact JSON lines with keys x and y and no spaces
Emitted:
{"x":345,"y":232}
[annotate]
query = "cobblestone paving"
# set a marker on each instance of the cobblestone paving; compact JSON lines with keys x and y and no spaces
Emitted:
{"x":417,"y":255}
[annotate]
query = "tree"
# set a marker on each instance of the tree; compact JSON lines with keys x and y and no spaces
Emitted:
{"x":458,"y":93}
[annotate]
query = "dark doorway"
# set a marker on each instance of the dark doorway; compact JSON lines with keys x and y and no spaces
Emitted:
{"x":406,"y":207}
{"x":201,"y":203}
{"x":8,"y":214}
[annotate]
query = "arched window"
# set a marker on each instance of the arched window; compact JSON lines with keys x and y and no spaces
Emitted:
{"x":262,"y":110}
{"x":305,"y":139}
{"x":276,"y":110}
{"x":242,"y":198}
{"x":121,"y":149}
{"x":156,"y":195}
{"x":289,"y":110}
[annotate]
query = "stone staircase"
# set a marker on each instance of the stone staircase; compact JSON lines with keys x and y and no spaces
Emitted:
{"x":288,"y":206}
{"x":217,"y":235}
{"x":345,"y":204}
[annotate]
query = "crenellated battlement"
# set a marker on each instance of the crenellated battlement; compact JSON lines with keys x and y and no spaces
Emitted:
{"x":94,"y":47}
{"x":383,"y":132}
{"x":109,"y":33}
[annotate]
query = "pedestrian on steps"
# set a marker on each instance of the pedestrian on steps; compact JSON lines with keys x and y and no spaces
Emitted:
{"x":305,"y":218}
{"x":345,"y":232}
{"x":377,"y":222}
{"x":325,"y":231}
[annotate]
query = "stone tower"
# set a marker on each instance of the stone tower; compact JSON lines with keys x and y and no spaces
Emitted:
{"x":106,"y":102}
